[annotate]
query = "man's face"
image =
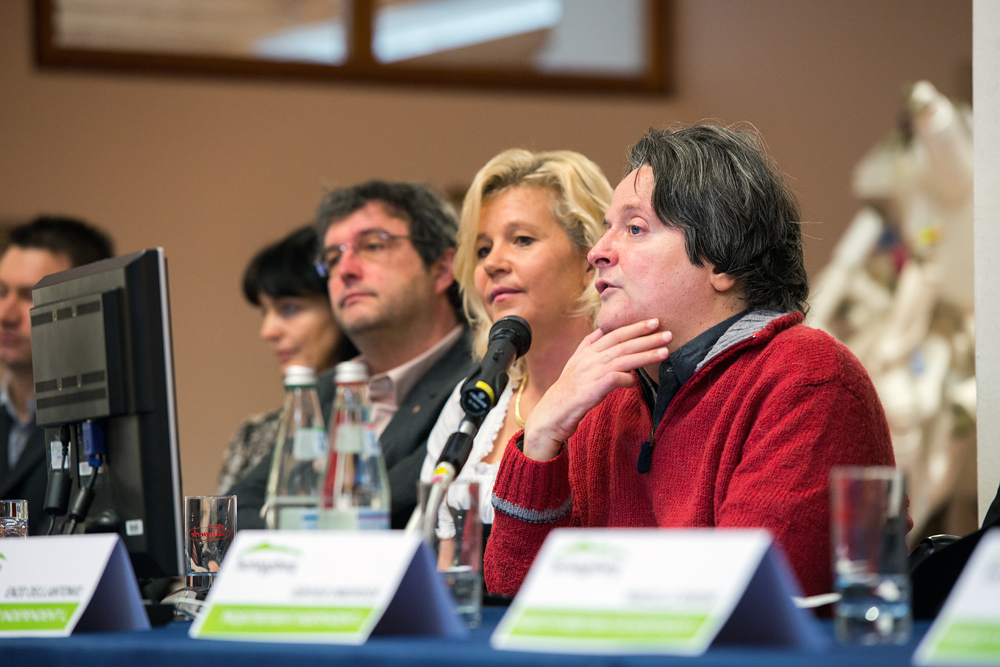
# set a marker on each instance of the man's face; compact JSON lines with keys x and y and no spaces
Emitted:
{"x":644,"y":270}
{"x":20,"y":269}
{"x":386,"y":289}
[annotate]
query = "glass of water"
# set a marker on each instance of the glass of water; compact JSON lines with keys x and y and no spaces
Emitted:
{"x":13,"y":518}
{"x":210,"y":526}
{"x":458,"y":543}
{"x":868,"y":530}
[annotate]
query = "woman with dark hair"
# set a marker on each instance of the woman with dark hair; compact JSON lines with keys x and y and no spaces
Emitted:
{"x":297,"y":322}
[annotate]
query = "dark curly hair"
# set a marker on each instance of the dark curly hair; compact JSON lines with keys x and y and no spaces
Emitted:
{"x":720,"y":188}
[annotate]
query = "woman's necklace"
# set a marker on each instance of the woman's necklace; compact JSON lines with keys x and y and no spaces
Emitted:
{"x":517,"y":403}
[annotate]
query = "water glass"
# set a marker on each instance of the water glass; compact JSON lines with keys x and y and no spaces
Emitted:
{"x":13,"y":518}
{"x":868,"y":530}
{"x":457,"y":539}
{"x":210,"y":526}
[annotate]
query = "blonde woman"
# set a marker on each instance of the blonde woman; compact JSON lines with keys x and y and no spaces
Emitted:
{"x":527,"y":223}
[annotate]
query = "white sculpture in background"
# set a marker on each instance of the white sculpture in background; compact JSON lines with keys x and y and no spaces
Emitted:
{"x":899,"y":293}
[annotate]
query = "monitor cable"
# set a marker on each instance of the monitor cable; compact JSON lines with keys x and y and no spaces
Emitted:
{"x":92,"y":436}
{"x":60,"y":481}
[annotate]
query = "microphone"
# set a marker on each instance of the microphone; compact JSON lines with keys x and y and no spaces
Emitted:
{"x":510,"y":338}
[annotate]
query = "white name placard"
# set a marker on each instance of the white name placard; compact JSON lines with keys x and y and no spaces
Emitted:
{"x":334,"y":587}
{"x":53,"y":586}
{"x":655,"y":591}
{"x":967,"y":630}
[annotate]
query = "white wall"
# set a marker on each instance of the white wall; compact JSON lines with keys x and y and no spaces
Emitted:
{"x":986,"y":102}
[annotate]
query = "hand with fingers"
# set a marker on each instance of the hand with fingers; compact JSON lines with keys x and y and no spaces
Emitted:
{"x":602,"y":363}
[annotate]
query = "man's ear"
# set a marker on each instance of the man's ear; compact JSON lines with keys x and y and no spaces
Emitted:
{"x":722,"y":282}
{"x":443,"y":271}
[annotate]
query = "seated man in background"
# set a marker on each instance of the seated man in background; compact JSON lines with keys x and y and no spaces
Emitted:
{"x":387,"y":252}
{"x":701,"y":400}
{"x":34,"y":250}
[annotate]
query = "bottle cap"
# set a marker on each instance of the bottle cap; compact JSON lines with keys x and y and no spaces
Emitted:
{"x":299,"y":376}
{"x":351,"y":371}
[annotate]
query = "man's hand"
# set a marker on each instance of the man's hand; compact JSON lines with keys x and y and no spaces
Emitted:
{"x":601,"y":363}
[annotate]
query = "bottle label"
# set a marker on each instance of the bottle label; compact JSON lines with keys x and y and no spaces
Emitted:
{"x":369,"y":444}
{"x":309,"y":444}
{"x":297,"y":518}
{"x":369,"y":519}
{"x":351,"y":438}
{"x":354,"y":519}
{"x":310,"y":519}
{"x":331,"y":519}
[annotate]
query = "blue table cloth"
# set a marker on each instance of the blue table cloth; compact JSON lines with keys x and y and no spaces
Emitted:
{"x":169,"y":646}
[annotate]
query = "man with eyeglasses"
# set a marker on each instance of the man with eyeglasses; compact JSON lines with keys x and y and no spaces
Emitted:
{"x":387,"y":252}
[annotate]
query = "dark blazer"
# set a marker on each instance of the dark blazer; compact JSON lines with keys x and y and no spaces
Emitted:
{"x":404,"y":441}
{"x":935,"y":574}
{"x":27,"y":479}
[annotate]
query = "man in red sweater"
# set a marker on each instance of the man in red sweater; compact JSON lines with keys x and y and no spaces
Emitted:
{"x":701,"y":400}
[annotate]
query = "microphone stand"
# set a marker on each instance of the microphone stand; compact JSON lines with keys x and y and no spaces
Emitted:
{"x":456,"y":452}
{"x":509,"y":338}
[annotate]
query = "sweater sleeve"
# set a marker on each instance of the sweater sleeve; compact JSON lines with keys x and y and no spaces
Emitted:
{"x":781,"y":478}
{"x":530,"y":498}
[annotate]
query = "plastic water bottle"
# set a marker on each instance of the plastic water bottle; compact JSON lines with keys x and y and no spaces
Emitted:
{"x":356,"y":489}
{"x":293,"y":487}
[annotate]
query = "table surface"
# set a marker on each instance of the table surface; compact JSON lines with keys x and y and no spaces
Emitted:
{"x":170,"y":646}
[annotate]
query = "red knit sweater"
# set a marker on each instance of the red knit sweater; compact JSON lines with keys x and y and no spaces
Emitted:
{"x":749,"y":440}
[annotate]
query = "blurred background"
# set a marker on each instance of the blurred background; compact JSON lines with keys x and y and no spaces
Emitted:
{"x":213,"y":167}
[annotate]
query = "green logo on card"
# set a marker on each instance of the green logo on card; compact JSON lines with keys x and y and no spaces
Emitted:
{"x":265,"y":547}
{"x":592,"y":549}
{"x":36,"y":615}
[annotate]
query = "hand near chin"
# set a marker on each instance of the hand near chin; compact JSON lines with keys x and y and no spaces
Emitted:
{"x":602,"y":362}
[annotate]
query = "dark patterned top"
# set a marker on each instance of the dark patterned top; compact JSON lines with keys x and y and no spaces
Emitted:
{"x":252,"y":442}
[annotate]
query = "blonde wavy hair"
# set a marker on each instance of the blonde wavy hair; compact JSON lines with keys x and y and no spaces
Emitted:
{"x":581,"y":196}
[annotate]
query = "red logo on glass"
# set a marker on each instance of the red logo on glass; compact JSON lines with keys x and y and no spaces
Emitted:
{"x":207,"y":533}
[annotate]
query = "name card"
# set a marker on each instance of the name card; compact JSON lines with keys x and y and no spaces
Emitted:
{"x":335,"y":587}
{"x":967,"y":630}
{"x":656,"y":591}
{"x":53,"y":586}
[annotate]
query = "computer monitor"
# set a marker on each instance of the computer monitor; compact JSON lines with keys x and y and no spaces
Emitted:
{"x":101,"y":351}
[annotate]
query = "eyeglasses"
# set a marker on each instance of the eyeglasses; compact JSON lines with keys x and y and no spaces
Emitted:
{"x":368,"y":246}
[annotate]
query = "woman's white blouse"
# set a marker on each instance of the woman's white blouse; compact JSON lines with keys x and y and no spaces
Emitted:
{"x":475,"y":470}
